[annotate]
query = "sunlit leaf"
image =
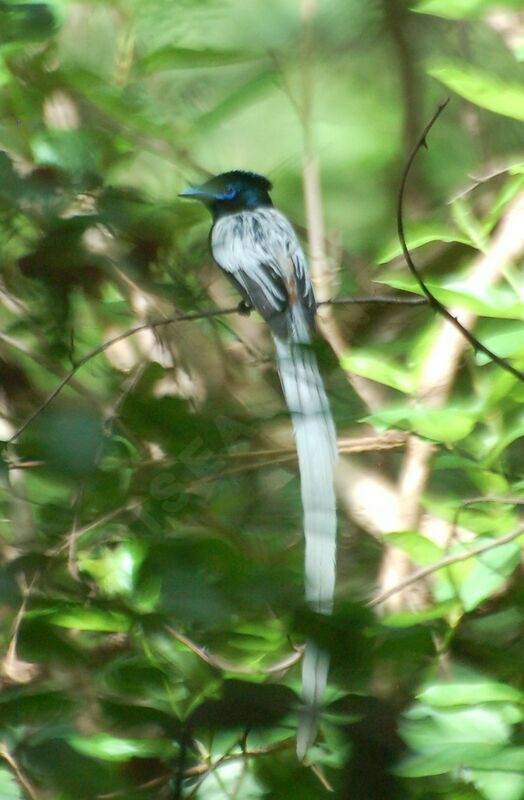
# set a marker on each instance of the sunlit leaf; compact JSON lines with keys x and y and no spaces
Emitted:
{"x":172,"y":57}
{"x":90,"y":619}
{"x":482,"y":88}
{"x":501,"y":777}
{"x":378,"y":368}
{"x":420,"y":549}
{"x":9,"y":788}
{"x":439,"y":424}
{"x":489,"y":301}
{"x":423,"y":234}
{"x":459,"y":9}
{"x":446,"y":758}
{"x":490,"y":571}
{"x":471,"y":691}
{"x":115,"y":570}
{"x":112,"y":748}
{"x":505,"y":342}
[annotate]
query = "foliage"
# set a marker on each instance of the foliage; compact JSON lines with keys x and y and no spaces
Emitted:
{"x":151,"y":592}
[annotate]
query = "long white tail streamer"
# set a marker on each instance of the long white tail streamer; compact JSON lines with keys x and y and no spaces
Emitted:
{"x":315,"y":437}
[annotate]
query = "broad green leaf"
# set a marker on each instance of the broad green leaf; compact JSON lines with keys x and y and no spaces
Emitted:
{"x":112,"y":748}
{"x":489,"y":573}
{"x":514,"y":431}
{"x":377,"y":368}
{"x":172,"y":57}
{"x":440,"y":424}
{"x":115,"y":569}
{"x":472,"y":691}
{"x":90,"y":619}
{"x":510,"y":189}
{"x":446,"y":758}
{"x":504,"y":343}
{"x":460,"y":9}
{"x":406,"y":619}
{"x":444,"y":740}
{"x":423,"y":234}
{"x":74,"y":151}
{"x":499,"y":784}
{"x":510,"y":759}
{"x":491,"y":301}
{"x":420,"y":549}
{"x":9,"y":788}
{"x":482,"y":88}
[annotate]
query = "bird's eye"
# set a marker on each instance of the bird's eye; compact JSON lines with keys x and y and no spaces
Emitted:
{"x":230,"y":192}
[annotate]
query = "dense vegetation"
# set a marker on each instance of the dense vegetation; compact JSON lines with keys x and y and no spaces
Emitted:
{"x":151,"y":594}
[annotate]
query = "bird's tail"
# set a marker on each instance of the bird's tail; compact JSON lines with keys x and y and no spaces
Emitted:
{"x":317,"y":454}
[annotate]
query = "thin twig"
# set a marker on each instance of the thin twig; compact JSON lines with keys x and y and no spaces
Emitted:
{"x":104,"y":346}
{"x":220,"y":312}
{"x":434,"y":303}
{"x":376,"y":300}
{"x":473,"y":501}
{"x":423,"y":572}
{"x":286,"y":744}
{"x":364,"y":444}
{"x":92,"y":525}
{"x":228,"y":666}
{"x":13,"y":763}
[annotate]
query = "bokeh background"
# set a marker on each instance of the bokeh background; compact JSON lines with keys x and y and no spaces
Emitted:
{"x":151,"y":601}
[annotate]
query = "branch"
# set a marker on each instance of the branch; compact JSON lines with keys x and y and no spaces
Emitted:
{"x":104,"y":346}
{"x":220,"y":312}
{"x":13,"y":763}
{"x":434,"y":303}
{"x":228,"y":666}
{"x":419,"y":574}
{"x":472,"y":501}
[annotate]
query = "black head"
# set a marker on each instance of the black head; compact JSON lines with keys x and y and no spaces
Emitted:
{"x":231,"y":192}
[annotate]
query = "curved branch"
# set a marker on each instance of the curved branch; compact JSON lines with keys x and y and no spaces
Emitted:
{"x":434,"y":303}
{"x":423,"y":572}
{"x":241,"y":308}
{"x":228,"y":666}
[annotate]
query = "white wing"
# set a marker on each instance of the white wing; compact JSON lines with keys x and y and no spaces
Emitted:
{"x":260,"y":252}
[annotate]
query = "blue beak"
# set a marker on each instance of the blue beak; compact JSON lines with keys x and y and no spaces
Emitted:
{"x":195,"y":193}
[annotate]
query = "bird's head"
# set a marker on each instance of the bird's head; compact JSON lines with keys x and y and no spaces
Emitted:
{"x":231,"y":192}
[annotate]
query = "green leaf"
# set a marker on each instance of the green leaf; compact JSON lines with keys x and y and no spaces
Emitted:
{"x":112,"y":748}
{"x":513,"y":434}
{"x":423,"y":234}
{"x":116,"y":569}
{"x":482,"y":88}
{"x":505,"y":342}
{"x":445,"y":740}
{"x":501,"y":777}
{"x":90,"y":619}
{"x":375,"y":367}
{"x":439,"y":424}
{"x":489,"y":573}
{"x":420,"y":549}
{"x":172,"y":57}
{"x":459,"y":9}
{"x":446,"y":758}
{"x":9,"y":788}
{"x":406,"y":619}
{"x":499,"y":784}
{"x":489,"y":301}
{"x":74,"y":151}
{"x":477,"y":689}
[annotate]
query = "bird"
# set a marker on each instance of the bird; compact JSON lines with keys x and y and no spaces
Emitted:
{"x":257,"y":248}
